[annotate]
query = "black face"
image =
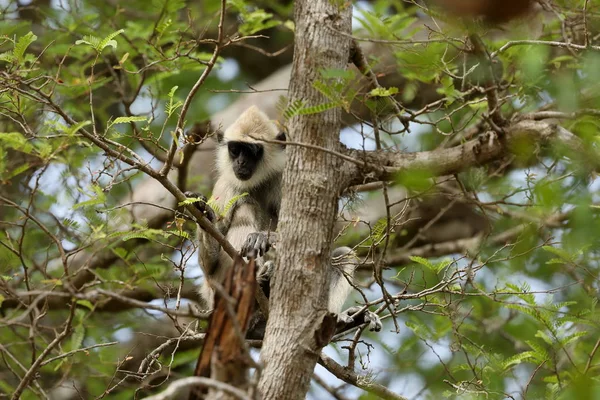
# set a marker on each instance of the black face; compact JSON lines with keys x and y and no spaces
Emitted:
{"x":244,"y":157}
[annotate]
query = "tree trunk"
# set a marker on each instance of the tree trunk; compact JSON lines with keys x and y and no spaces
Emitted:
{"x":308,"y":209}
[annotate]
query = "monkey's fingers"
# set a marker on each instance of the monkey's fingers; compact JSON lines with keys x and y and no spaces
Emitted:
{"x":248,"y":248}
{"x":201,"y":204}
{"x":264,"y":245}
{"x":256,"y":244}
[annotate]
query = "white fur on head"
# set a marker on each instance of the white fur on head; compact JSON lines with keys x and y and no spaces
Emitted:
{"x":252,"y":126}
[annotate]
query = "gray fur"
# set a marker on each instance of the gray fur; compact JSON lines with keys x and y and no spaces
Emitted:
{"x":257,"y":211}
{"x":250,"y":224}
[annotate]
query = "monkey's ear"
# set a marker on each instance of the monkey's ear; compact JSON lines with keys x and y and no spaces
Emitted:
{"x":220,"y":136}
{"x":281,"y":137}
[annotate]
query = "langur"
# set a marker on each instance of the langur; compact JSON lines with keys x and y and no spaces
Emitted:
{"x":249,"y":169}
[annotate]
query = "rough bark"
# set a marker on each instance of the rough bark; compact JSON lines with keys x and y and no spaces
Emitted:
{"x":294,"y":334}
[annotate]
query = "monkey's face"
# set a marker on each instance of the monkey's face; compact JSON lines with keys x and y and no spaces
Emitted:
{"x":245,"y":157}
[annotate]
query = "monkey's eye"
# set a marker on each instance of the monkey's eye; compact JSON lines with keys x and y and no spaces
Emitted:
{"x":281,"y":137}
{"x":234,"y":150}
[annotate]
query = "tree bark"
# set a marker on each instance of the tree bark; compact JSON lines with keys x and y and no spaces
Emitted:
{"x":295,"y":328}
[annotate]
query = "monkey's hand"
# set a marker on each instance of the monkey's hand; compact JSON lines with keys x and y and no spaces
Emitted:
{"x":366,"y":317}
{"x":202,"y":205}
{"x":258,"y":243}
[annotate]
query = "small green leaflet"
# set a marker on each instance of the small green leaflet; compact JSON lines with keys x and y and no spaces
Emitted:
{"x":22,"y":45}
{"x":171,"y":105}
{"x":126,"y":120}
{"x":428,"y":264}
{"x":383,"y":92}
{"x":100,"y":44}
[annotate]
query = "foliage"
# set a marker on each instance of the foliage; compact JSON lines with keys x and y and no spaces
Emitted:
{"x":94,"y":94}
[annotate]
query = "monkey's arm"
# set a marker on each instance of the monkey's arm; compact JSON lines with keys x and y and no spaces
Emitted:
{"x":209,"y":248}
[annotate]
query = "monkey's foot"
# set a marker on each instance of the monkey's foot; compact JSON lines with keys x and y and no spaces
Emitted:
{"x":345,"y":318}
{"x":374,"y":321}
{"x":366,"y":317}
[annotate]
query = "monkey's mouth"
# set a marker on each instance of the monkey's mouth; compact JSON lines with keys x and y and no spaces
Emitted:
{"x":243,"y":175}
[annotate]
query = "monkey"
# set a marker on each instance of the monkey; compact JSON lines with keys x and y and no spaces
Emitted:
{"x":249,"y":169}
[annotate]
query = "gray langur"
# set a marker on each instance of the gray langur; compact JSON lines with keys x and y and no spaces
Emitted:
{"x":249,"y":169}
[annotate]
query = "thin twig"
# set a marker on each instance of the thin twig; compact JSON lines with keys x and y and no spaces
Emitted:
{"x":188,"y":100}
{"x":70,"y":353}
{"x":38,"y":362}
{"x":181,"y":384}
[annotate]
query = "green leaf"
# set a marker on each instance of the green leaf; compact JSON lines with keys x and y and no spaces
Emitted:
{"x":559,"y":252}
{"x":77,"y":337}
{"x":424,"y":262}
{"x":544,"y":336}
{"x":16,"y":171}
{"x":108,"y":41}
{"x":72,"y":130}
{"x":148,"y":234}
{"x":384,"y":92}
{"x":415,"y":179}
{"x":7,"y":57}
{"x":517,"y":359}
{"x":318,"y":108}
{"x":22,"y":45}
{"x":100,"y":198}
{"x":230,"y":203}
{"x":100,"y":44}
{"x":256,"y":21}
{"x":127,"y":120}
{"x":172,"y":106}
{"x":293,"y":109}
{"x":539,"y":352}
{"x":378,"y":231}
{"x":571,"y":338}
{"x":17,"y":141}
{"x":191,"y":200}
{"x":86,"y":303}
{"x":90,"y":40}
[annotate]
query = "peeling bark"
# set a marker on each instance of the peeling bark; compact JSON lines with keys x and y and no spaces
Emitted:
{"x":223,"y":356}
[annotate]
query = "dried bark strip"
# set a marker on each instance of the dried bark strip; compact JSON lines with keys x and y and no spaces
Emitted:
{"x":224,"y":356}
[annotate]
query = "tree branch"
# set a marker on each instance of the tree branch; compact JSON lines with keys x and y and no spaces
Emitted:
{"x":352,"y":378}
{"x":485,"y":148}
{"x":181,"y":384}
